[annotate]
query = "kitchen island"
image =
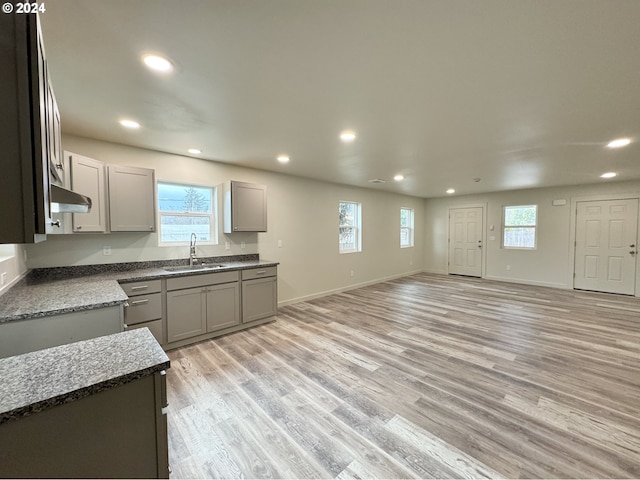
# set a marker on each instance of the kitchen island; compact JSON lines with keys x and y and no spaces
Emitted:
{"x":94,"y":408}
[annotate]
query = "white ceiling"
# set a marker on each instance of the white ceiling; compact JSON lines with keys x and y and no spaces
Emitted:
{"x":518,"y":93}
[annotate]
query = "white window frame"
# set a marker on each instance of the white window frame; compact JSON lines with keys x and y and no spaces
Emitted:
{"x":212,"y":215}
{"x":356,"y":228}
{"x":409,"y":228}
{"x":533,"y":226}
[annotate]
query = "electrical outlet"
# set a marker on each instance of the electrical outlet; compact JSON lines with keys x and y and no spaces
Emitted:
{"x":352,"y":273}
{"x":106,"y":250}
{"x":3,"y":278}
{"x":410,"y":262}
{"x":227,"y":245}
{"x":508,"y":267}
{"x":279,"y":243}
{"x":243,"y":244}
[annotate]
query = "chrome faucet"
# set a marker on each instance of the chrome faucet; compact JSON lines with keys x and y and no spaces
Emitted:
{"x":192,"y":250}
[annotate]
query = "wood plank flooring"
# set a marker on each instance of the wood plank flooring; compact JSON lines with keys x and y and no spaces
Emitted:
{"x":427,"y":376}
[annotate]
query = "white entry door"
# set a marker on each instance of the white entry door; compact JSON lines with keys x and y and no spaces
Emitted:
{"x":606,"y":246}
{"x":465,"y":241}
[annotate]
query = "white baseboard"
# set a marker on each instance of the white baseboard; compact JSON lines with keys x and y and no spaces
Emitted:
{"x":10,"y":284}
{"x":435,"y":270}
{"x":313,"y":296}
{"x":524,"y":281}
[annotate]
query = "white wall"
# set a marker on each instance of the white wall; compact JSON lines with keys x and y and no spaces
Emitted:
{"x":302,"y":213}
{"x":12,"y":265}
{"x":550,"y":264}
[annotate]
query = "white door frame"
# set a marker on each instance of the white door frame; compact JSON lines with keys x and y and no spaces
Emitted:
{"x":572,"y":237}
{"x":483,"y":256}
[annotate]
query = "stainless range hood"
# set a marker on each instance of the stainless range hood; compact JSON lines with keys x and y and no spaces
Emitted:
{"x":63,"y":201}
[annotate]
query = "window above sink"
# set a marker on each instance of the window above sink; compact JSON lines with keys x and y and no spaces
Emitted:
{"x":184,"y":209}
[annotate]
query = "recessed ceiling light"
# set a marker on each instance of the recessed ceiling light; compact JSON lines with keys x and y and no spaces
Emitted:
{"x":283,"y":158}
{"x":129,"y":124}
{"x":619,"y":142}
{"x":348,"y":136}
{"x":398,"y":178}
{"x":157,"y":63}
{"x":451,"y":190}
{"x":377,"y":180}
{"x":609,"y":175}
{"x":194,"y":151}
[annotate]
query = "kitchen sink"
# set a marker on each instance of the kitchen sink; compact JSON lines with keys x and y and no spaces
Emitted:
{"x":190,"y":268}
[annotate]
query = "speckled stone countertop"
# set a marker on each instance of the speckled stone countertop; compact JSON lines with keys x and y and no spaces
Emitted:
{"x":39,"y":380}
{"x":52,"y":291}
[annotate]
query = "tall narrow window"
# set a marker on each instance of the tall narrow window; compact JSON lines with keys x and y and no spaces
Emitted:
{"x":349,"y":227}
{"x":406,"y":227}
{"x":185,"y":209}
{"x":519,"y":229}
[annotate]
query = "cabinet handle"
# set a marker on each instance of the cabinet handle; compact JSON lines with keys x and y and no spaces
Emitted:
{"x":140,"y":287}
{"x":139,"y":302}
{"x":261,"y":272}
{"x":56,"y":224}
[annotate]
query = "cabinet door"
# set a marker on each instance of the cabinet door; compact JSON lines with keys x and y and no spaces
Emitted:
{"x":186,"y":314}
{"x":247,"y":208}
{"x":223,"y":306}
{"x":131,"y":199}
{"x":259,"y":299}
{"x":87,"y":178}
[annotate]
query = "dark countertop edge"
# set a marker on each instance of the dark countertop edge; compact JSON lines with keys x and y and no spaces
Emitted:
{"x":68,"y":397}
{"x":62,"y":311}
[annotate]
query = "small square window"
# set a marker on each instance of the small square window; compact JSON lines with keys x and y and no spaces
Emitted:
{"x":520,"y":224}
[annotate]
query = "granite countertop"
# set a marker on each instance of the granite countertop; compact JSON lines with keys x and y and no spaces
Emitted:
{"x":52,"y":291}
{"x":39,"y":380}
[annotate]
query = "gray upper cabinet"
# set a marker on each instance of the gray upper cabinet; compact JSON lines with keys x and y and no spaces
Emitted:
{"x":29,"y":132}
{"x":245,"y":207}
{"x":88,"y":178}
{"x":131,"y":199}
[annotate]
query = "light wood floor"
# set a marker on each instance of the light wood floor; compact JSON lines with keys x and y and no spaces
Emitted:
{"x":425,"y":376}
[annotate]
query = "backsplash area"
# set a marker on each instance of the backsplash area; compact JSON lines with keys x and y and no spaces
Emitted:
{"x":82,"y":270}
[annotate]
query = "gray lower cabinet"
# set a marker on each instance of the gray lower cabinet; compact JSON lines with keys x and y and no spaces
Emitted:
{"x":212,"y":303}
{"x":33,"y":334}
{"x":259,"y":294}
{"x":144,"y":308}
{"x":117,"y":433}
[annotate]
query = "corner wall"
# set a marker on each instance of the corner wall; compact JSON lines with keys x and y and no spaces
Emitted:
{"x":12,"y":265}
{"x":301,"y":213}
{"x":550,"y":264}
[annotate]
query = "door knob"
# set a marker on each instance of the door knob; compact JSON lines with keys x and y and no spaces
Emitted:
{"x":632,"y":252}
{"x":632,"y":245}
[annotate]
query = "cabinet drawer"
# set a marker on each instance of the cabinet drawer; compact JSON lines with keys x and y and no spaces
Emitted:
{"x":154,"y":327}
{"x":141,"y":288}
{"x":259,"y":273}
{"x":143,"y":308}
{"x":200,"y":280}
